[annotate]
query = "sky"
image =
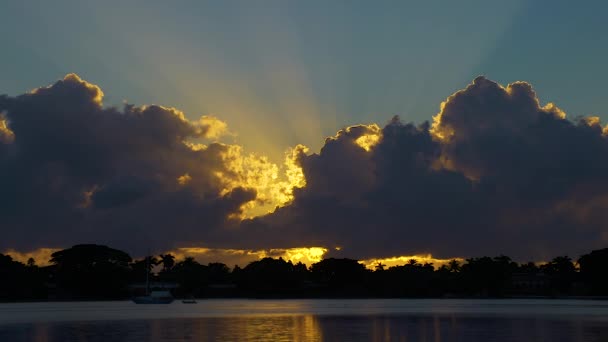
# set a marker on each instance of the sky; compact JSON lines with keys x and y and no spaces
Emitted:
{"x":249,"y":84}
{"x":309,"y":67}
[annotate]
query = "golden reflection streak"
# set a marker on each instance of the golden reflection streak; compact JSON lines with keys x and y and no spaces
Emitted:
{"x":275,"y":328}
{"x":307,"y":328}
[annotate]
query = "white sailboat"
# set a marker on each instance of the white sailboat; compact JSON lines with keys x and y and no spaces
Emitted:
{"x":153,"y":297}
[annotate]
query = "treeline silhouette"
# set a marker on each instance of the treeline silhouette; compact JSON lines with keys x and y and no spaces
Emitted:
{"x":95,"y":272}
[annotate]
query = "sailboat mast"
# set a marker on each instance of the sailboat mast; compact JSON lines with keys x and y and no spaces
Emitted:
{"x":148,"y":275}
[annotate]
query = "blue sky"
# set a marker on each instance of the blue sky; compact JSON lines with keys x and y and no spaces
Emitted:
{"x":285,"y":72}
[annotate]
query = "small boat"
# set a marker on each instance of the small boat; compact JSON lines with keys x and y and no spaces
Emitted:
{"x":155,"y":297}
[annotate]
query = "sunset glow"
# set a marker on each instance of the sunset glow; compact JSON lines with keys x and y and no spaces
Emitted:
{"x":305,"y":255}
{"x":303,"y":170}
{"x":272,"y":132}
{"x":422,"y":259}
{"x":241,"y":257}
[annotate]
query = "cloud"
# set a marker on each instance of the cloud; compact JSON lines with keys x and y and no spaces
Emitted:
{"x":495,"y":172}
{"x":385,"y":201}
{"x":211,"y":127}
{"x":241,"y":257}
{"x":72,"y":171}
{"x":6,"y":135}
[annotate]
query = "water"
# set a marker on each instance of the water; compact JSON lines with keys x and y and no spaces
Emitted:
{"x":309,"y":320}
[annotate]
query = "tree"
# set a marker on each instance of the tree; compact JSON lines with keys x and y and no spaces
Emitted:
{"x":562,"y":273}
{"x":341,"y":276}
{"x":191,"y":276}
{"x":454,"y":266}
{"x":487,"y":276}
{"x":91,"y":271}
{"x":20,"y":281}
{"x":218,"y":272}
{"x":168,"y":261}
{"x":142,"y":270}
{"x":594,"y":271}
{"x":529,"y":267}
{"x":269,"y":276}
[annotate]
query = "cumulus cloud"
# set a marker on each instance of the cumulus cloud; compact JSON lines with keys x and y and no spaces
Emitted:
{"x":495,"y":172}
{"x":385,"y":200}
{"x":211,"y":127}
{"x":73,"y":171}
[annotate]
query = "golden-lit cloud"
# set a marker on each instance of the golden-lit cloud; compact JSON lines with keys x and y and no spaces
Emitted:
{"x":41,"y":256}
{"x":305,"y":255}
{"x":515,"y":106}
{"x":405,"y":259}
{"x":184,"y":179}
{"x":294,"y":175}
{"x":556,"y":111}
{"x":92,"y":88}
{"x":241,"y":257}
{"x":371,"y":138}
{"x":439,"y":132}
{"x":273,"y":184}
{"x":211,"y":127}
{"x":595,"y":121}
{"x":6,"y":135}
{"x":494,"y":164}
{"x":72,"y":81}
{"x":364,"y":136}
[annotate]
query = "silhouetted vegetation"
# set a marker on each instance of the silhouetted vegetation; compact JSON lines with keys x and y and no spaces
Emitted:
{"x":94,"y":272}
{"x":22,"y":282}
{"x":90,"y":271}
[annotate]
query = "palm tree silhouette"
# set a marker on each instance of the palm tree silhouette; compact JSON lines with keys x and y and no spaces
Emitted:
{"x":167,"y":260}
{"x":454,"y":266}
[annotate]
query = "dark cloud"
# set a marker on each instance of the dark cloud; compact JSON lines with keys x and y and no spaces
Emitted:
{"x":495,"y":172}
{"x":389,"y":201}
{"x":74,"y":171}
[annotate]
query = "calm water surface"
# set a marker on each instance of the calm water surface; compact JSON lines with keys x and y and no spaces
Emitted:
{"x":309,"y":320}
